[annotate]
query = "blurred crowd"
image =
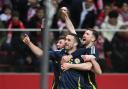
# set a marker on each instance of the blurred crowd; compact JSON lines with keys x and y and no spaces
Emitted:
{"x":109,"y":16}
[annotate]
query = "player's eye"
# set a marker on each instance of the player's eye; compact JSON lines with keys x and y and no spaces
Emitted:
{"x":87,"y":33}
{"x":69,"y":40}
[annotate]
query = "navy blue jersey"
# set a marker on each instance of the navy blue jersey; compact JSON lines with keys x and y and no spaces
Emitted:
{"x":90,"y":75}
{"x":78,"y":79}
{"x":71,"y":79}
{"x":56,"y":56}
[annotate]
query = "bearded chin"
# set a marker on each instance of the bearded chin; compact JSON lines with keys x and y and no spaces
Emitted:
{"x":86,"y":43}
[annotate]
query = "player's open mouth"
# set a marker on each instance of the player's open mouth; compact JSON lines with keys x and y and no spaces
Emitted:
{"x":84,"y":39}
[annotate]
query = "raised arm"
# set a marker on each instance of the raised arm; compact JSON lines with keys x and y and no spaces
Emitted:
{"x":35,"y":49}
{"x":65,"y":16}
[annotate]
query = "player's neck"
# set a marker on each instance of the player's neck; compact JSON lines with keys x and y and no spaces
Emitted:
{"x":72,"y":50}
{"x":89,"y":45}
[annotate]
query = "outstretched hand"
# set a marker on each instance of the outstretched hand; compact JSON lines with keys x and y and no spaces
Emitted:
{"x":64,"y":12}
{"x":26,"y":39}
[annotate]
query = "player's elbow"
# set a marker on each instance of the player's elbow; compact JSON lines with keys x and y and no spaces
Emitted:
{"x":100,"y":72}
{"x":39,"y":54}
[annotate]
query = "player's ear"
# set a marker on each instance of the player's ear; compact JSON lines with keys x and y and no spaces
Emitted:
{"x":75,"y":44}
{"x":93,"y":39}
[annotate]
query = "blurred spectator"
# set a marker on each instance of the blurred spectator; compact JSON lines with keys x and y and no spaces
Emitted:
{"x":33,"y":4}
{"x":26,"y":9}
{"x":2,"y":25}
{"x":65,"y":3}
{"x":119,"y":54}
{"x":1,"y":7}
{"x":14,"y":38}
{"x":99,"y":44}
{"x":103,"y":14}
{"x":8,"y":2}
{"x":2,"y":38}
{"x":55,"y":12}
{"x":15,"y":22}
{"x":22,"y":8}
{"x":124,"y":12}
{"x":83,"y":13}
{"x":54,"y":5}
{"x":36,"y":20}
{"x":6,"y":15}
{"x":113,"y":23}
{"x":110,"y":25}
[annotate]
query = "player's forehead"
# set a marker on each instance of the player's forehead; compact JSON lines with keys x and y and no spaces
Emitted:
{"x":88,"y":32}
{"x":69,"y":37}
{"x":61,"y":39}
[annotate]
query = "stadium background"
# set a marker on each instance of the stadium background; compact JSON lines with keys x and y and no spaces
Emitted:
{"x":20,"y":68}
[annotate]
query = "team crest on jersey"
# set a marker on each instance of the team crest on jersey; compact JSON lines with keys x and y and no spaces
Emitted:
{"x":77,"y":60}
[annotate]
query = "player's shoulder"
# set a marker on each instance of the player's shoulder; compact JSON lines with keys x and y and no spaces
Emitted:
{"x":61,"y":51}
{"x":93,"y":49}
{"x":81,"y":50}
{"x":57,"y":50}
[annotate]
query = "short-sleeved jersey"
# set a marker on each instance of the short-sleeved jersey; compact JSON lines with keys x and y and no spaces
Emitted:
{"x":77,"y":79}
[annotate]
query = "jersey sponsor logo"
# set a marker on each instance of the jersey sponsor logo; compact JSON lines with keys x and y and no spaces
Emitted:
{"x":77,"y":60}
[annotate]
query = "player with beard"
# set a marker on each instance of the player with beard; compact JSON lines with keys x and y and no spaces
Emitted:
{"x":88,"y":40}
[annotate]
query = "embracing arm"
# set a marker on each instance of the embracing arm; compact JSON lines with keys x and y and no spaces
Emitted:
{"x":82,"y":66}
{"x":95,"y":65}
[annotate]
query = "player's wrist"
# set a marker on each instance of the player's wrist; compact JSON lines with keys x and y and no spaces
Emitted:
{"x":29,"y":43}
{"x":70,"y":65}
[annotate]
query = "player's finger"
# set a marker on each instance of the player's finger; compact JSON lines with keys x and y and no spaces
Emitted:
{"x":25,"y":35}
{"x":62,"y":68}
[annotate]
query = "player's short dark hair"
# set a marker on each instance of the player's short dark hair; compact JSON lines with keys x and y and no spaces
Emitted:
{"x":61,"y":37}
{"x":75,"y":36}
{"x":113,"y":14}
{"x":94,"y":32}
{"x":77,"y":39}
